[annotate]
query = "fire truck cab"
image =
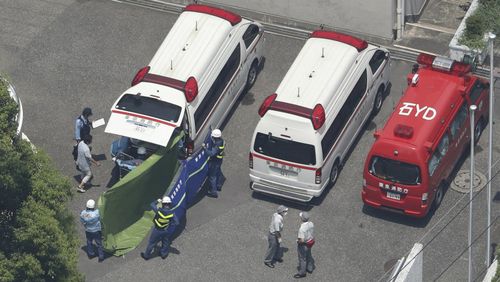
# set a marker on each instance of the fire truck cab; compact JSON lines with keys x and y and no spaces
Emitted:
{"x":409,"y":165}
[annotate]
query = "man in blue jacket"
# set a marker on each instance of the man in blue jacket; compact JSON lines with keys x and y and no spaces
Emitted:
{"x":215,"y":150}
{"x":164,"y":225}
{"x":91,"y":220}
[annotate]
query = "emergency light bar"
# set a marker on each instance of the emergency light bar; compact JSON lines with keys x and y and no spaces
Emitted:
{"x":316,"y":115}
{"x":190,"y":87}
{"x":355,"y":42}
{"x":443,"y":64}
{"x":232,"y":18}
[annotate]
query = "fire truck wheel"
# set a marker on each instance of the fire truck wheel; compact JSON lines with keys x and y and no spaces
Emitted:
{"x":252,"y":74}
{"x":334,"y":174}
{"x":377,"y":104}
{"x":438,"y":198}
{"x":478,"y":130}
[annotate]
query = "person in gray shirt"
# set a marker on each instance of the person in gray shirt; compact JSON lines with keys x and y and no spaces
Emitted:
{"x":274,"y":253}
{"x":83,"y":161}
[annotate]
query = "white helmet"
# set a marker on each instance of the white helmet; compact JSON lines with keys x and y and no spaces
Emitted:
{"x":141,"y":151}
{"x":90,"y":204}
{"x":216,"y":133}
{"x":166,"y":200}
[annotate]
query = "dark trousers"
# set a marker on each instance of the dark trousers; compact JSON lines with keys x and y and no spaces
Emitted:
{"x":274,"y":249}
{"x":158,"y":235}
{"x":306,"y":261}
{"x":97,"y":237}
{"x":215,"y":176}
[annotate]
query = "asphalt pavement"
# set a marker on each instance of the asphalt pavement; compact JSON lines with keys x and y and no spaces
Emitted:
{"x":64,"y":55}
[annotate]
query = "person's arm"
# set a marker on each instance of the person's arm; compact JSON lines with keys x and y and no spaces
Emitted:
{"x":78,"y":126}
{"x":89,"y":156}
{"x":154,"y":205}
{"x":300,"y":237}
{"x":175,"y":219}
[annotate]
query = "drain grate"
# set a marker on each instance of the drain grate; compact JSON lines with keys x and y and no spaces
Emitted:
{"x":461,"y":183}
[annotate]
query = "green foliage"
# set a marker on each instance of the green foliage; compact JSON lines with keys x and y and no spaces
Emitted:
{"x":497,"y":274}
{"x":8,"y":111}
{"x":486,"y":18}
{"x":39,"y":241}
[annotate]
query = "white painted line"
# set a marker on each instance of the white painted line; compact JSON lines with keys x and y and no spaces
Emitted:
{"x":414,"y":50}
{"x":433,"y":27}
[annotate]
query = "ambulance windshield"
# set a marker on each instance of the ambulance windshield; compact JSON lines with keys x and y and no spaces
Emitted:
{"x":395,"y":171}
{"x":150,"y":107}
{"x":284,"y":149}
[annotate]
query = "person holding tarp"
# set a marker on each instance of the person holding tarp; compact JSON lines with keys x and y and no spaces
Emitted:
{"x":164,"y":222}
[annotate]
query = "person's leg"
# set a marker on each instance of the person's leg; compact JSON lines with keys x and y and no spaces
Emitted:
{"x":86,"y":175}
{"x":98,"y":242}
{"x":153,"y":239}
{"x":165,"y":244}
{"x":212,"y":178}
{"x":302,"y":258}
{"x":310,"y":261}
{"x":90,"y":246}
{"x":220,"y":177}
{"x":271,"y":249}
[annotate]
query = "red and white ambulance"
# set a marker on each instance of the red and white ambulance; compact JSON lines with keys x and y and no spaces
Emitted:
{"x":205,"y":62}
{"x":409,"y":165}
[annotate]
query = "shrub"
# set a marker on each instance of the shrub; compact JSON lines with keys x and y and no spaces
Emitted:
{"x":39,"y":241}
{"x":483,"y":20}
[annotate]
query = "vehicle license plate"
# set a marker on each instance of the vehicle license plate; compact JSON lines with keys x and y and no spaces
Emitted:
{"x":393,"y":196}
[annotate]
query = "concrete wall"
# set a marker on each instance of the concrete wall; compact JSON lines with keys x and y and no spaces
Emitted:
{"x":373,"y":17}
{"x":414,"y":7}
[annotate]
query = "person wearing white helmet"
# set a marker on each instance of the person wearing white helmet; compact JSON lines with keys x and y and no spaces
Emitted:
{"x":164,"y":221}
{"x":91,"y":220}
{"x":215,"y":150}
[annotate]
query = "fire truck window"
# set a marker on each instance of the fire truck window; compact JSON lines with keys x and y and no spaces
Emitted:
{"x":377,"y":59}
{"x":459,"y":121}
{"x":250,"y":34}
{"x":476,"y":90}
{"x":215,"y":92}
{"x":395,"y":171}
{"x":438,"y":155}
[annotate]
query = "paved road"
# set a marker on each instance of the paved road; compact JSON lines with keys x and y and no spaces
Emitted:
{"x":63,"y":55}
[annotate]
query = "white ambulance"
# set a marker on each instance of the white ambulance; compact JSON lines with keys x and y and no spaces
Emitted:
{"x":309,"y":124}
{"x":207,"y":59}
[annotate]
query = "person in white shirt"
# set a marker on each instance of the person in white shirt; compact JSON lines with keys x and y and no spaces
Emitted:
{"x":274,"y":253}
{"x":83,"y":162}
{"x":305,"y":241}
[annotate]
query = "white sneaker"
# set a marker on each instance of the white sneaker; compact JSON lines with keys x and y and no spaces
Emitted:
{"x":81,"y":190}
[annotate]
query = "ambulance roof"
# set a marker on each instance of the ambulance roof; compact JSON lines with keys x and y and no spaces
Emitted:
{"x":191,"y":45}
{"x":425,"y":107}
{"x":319,"y":71}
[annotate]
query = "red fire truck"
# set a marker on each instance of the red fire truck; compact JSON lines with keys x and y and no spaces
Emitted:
{"x":409,"y":165}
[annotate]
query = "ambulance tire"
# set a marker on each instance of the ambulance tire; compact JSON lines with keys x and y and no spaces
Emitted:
{"x":252,"y":74}
{"x":334,"y":173}
{"x":379,"y":99}
{"x":478,"y":130}
{"x":438,"y":198}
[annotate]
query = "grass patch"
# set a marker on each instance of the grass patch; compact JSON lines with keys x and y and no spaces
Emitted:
{"x":486,"y":18}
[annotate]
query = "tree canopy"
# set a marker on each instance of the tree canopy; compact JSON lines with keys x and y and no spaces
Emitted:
{"x":39,"y":241}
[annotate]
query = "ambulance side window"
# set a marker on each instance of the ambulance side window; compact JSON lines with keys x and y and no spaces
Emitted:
{"x":459,"y":121}
{"x":344,"y":114}
{"x":250,"y":34}
{"x":377,"y":60}
{"x":215,"y":92}
{"x":475,"y":91}
{"x":439,"y":153}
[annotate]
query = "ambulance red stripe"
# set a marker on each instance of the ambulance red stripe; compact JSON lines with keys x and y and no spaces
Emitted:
{"x":144,"y":117}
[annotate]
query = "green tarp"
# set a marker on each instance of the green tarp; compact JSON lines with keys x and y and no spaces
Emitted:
{"x":124,"y":207}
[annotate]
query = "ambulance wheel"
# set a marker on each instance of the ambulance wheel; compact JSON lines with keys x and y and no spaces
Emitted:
{"x":379,"y":98}
{"x":334,"y":173}
{"x":438,"y":198}
{"x":478,"y":130}
{"x":252,"y":74}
